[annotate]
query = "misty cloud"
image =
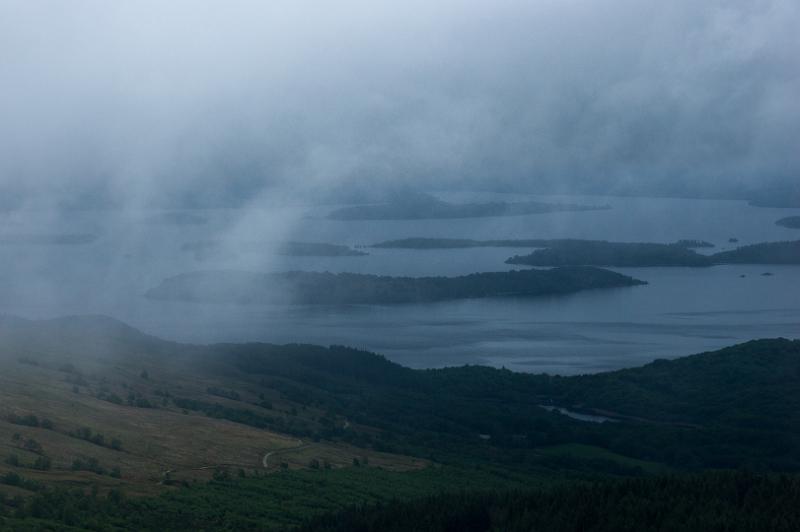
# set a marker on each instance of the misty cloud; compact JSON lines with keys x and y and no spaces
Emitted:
{"x":154,"y":103}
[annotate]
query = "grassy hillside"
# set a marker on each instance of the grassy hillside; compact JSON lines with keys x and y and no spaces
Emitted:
{"x":98,"y":393}
{"x":92,"y":405}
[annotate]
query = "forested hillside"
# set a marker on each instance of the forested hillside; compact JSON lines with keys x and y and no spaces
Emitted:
{"x":154,"y":431}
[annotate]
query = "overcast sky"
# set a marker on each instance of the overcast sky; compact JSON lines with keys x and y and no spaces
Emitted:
{"x":154,"y":101}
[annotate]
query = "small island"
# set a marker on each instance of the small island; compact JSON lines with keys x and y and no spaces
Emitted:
{"x":208,"y":248}
{"x":424,"y":206}
{"x":312,"y":288}
{"x":792,"y":222}
{"x":601,"y":253}
{"x":65,"y":239}
{"x":317,"y":249}
{"x":619,"y":254}
{"x":693,"y":244}
{"x":764,"y":253}
{"x":461,"y":243}
{"x":784,"y":197}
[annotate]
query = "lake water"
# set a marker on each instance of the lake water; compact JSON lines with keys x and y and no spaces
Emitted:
{"x":681,"y":311}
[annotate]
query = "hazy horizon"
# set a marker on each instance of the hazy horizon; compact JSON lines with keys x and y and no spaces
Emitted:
{"x":198,"y":103}
{"x":147,"y":140}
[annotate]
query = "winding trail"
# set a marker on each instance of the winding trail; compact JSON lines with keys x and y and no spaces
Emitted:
{"x":300,"y":445}
{"x":166,"y":473}
{"x":264,"y":461}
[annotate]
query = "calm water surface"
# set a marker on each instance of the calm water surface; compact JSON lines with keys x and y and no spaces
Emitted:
{"x":680,"y":311}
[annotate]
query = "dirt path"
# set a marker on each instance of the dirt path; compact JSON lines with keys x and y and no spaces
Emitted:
{"x":264,"y":461}
{"x":300,"y":445}
{"x":168,"y":472}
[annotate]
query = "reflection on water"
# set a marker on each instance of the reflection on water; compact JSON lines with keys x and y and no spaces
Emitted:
{"x":680,"y":311}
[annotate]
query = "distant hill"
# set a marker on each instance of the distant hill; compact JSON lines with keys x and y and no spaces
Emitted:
{"x":748,"y":385}
{"x":458,"y":243}
{"x":766,"y":253}
{"x":424,"y":206}
{"x":65,"y":239}
{"x":619,"y":254}
{"x":786,"y":196}
{"x":352,"y":288}
{"x":792,"y":222}
{"x":77,"y":335}
{"x":205,"y":249}
{"x":315,"y":249}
